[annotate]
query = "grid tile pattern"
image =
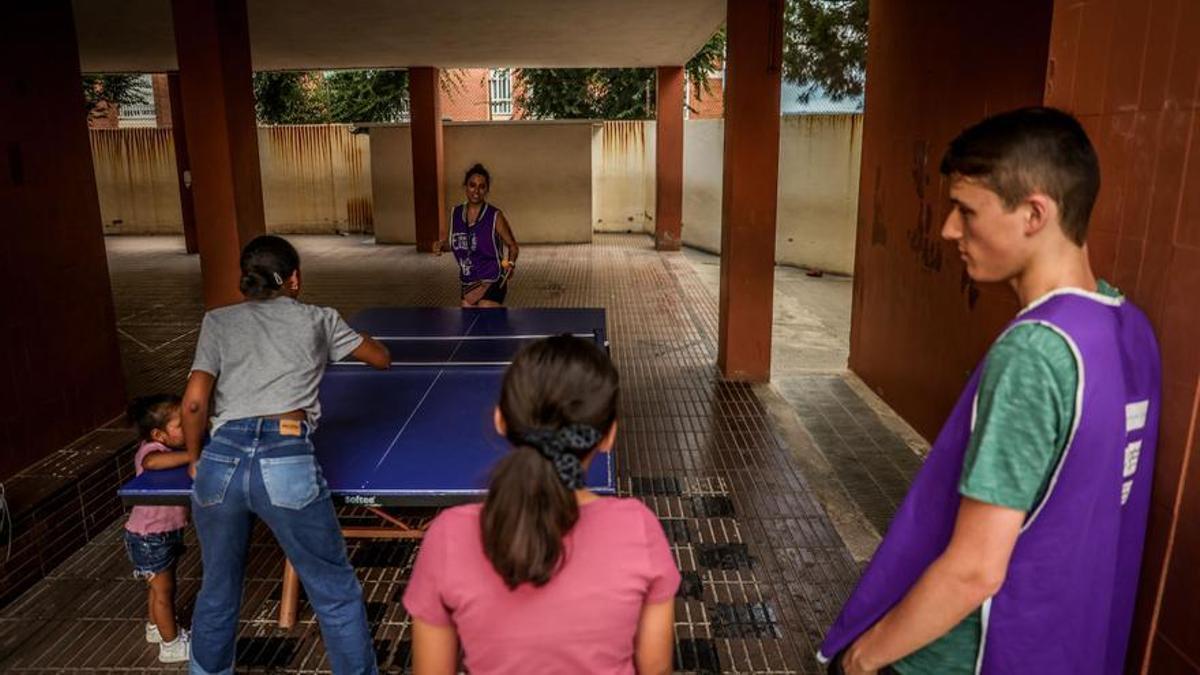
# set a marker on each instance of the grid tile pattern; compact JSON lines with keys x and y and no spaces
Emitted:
{"x":872,"y":462}
{"x":764,"y":570}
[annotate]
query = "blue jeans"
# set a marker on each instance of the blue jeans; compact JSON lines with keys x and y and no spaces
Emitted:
{"x":153,"y":553}
{"x":249,"y":469}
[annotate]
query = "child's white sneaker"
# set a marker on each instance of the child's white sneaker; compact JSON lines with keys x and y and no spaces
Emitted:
{"x":177,"y":650}
{"x":152,"y":634}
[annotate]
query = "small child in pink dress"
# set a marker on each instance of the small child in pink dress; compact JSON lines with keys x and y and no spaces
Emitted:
{"x":545,"y":576}
{"x":154,"y":534}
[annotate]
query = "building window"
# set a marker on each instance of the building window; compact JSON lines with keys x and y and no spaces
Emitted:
{"x":500,"y":93}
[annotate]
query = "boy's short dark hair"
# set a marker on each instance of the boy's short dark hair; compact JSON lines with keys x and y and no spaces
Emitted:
{"x":148,"y":413}
{"x":1031,"y":149}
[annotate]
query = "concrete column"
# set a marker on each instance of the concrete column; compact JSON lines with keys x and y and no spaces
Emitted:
{"x":212,"y":39}
{"x":60,"y":368}
{"x":752,"y":81}
{"x":668,"y":158}
{"x":182,"y":164}
{"x":428,"y":166}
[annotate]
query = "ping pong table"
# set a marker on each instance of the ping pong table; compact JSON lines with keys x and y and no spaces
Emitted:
{"x":420,"y":434}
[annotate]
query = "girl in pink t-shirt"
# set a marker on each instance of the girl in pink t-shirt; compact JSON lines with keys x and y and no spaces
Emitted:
{"x":544,"y":576}
{"x":154,"y":534}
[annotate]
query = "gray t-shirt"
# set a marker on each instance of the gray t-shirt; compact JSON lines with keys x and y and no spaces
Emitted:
{"x":268,"y":356}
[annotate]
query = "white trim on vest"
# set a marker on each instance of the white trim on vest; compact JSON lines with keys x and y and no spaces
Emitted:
{"x":1071,"y":290}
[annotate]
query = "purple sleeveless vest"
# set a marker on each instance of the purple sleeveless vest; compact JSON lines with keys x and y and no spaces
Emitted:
{"x":1067,"y":601}
{"x":477,"y":248}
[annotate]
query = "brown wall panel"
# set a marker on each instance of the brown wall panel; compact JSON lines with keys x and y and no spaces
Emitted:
{"x":918,"y":325}
{"x":60,"y":373}
{"x":1130,"y":70}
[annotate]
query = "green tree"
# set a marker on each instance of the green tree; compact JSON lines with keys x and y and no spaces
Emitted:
{"x":103,"y":91}
{"x":367,"y":95}
{"x":825,"y":47}
{"x":606,"y":93}
{"x":290,"y":98}
{"x":824,"y":51}
{"x":343,"y":96}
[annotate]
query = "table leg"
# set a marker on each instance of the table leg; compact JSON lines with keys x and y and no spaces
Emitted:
{"x":289,"y":597}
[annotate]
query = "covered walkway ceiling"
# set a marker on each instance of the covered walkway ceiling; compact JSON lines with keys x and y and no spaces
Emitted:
{"x":137,"y":35}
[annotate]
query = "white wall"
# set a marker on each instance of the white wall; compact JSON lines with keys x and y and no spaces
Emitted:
{"x":315,"y":179}
{"x":623,"y":176}
{"x":819,"y":158}
{"x":541,"y":176}
{"x":703,"y":150}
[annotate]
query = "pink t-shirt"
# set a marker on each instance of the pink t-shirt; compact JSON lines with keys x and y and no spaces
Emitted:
{"x":154,"y":519}
{"x":583,"y":621}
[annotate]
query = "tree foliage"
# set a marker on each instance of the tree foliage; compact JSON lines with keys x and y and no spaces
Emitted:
{"x":315,"y":97}
{"x":290,"y":98}
{"x":825,"y":47}
{"x":824,"y":51}
{"x":607,"y":93}
{"x":367,"y":95}
{"x":103,"y":91}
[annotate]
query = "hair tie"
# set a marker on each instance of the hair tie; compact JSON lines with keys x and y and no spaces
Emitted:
{"x":561,"y":446}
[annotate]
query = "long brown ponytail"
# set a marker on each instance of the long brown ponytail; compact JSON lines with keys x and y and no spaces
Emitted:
{"x":558,"y":398}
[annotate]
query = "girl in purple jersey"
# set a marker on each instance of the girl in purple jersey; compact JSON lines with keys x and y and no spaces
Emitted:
{"x":482,"y":243}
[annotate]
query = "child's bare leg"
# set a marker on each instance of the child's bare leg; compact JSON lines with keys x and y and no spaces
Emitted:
{"x":162,"y":603}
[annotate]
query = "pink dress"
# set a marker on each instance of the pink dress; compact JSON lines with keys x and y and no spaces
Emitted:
{"x":583,"y":621}
{"x":154,"y":519}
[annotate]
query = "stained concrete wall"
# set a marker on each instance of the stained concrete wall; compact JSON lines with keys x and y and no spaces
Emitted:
{"x":818,"y":185}
{"x":818,"y":188}
{"x":703,"y":155}
{"x":623,"y":176}
{"x":541,"y":177}
{"x":316,"y":179}
{"x":136,"y":180}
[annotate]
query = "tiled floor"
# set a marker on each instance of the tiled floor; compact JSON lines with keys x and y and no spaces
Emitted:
{"x":765,"y":570}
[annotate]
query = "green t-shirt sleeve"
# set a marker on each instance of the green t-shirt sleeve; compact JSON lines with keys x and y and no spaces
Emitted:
{"x":1023,"y":418}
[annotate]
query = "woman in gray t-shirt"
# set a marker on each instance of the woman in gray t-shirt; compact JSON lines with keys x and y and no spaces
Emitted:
{"x":260,"y":362}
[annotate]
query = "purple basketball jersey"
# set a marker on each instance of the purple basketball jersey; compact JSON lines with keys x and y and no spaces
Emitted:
{"x":1067,"y":601}
{"x":476,"y":246}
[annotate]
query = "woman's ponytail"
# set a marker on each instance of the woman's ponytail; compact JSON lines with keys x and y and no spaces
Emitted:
{"x":558,"y":399}
{"x":527,"y":514}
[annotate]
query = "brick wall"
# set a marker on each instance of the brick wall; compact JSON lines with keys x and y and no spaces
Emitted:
{"x":707,"y":104}
{"x":162,"y":100}
{"x":468,"y":97}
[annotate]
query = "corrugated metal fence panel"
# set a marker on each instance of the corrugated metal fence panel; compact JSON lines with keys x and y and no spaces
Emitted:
{"x":316,"y":180}
{"x":136,"y":180}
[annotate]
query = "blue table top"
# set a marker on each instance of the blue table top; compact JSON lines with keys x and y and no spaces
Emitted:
{"x":419,"y":435}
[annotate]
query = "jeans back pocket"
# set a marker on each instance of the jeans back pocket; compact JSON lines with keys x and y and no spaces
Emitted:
{"x":213,"y":475}
{"x":292,"y":482}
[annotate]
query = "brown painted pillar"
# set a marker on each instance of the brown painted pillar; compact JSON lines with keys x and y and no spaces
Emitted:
{"x":182,"y":164}
{"x":668,"y":159}
{"x":212,"y":39}
{"x":428,"y":167}
{"x":60,"y":367}
{"x":751,"y":173}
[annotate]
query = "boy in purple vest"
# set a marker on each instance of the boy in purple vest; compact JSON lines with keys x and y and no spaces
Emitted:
{"x":1018,"y":546}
